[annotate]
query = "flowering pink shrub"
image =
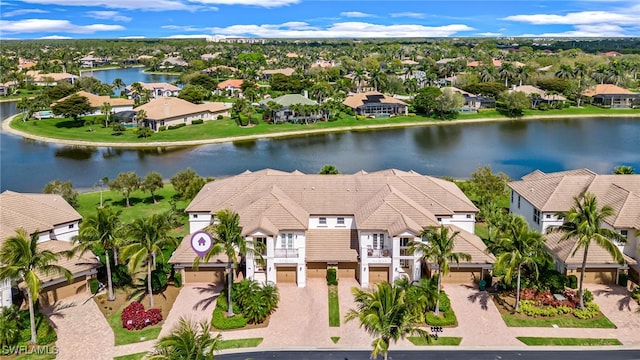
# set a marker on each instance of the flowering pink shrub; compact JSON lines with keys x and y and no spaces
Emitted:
{"x":134,"y":317}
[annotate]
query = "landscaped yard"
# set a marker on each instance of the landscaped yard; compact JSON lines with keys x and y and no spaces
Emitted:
{"x":442,"y":340}
{"x":549,"y":341}
{"x":113,"y":309}
{"x":334,"y":307}
{"x":239,"y":343}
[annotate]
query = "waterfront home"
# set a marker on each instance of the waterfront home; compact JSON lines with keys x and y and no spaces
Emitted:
{"x":538,"y":96}
{"x":231,"y":86}
{"x":324,"y":64}
{"x":90,"y":61}
{"x":361,"y":224}
{"x":286,"y":111}
{"x":472,"y":103}
{"x":7,"y":88}
{"x":170,"y":111}
{"x":539,"y":197}
{"x":219,"y":69}
{"x":266,"y":74}
{"x":158,"y":90}
{"x":56,"y":223}
{"x":609,"y":95}
{"x":50,"y":79}
{"x":375,"y":104}
{"x":96,"y":102}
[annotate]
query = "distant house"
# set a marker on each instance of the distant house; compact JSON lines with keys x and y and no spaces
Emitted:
{"x":170,"y":62}
{"x":324,"y":64}
{"x":375,"y":104}
{"x":539,"y":96}
{"x":172,"y":111}
{"x":472,"y":103}
{"x":56,"y":223}
{"x":158,"y":90}
{"x":285,"y":113}
{"x":266,"y":74}
{"x":50,"y":79}
{"x":219,"y":68}
{"x":207,"y":57}
{"x":90,"y":61}
{"x":232,"y":86}
{"x":7,"y":87}
{"x":610,"y":95}
{"x":612,"y":53}
{"x":96,"y":102}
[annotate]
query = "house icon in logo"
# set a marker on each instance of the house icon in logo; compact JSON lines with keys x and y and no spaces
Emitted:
{"x":202,"y":242}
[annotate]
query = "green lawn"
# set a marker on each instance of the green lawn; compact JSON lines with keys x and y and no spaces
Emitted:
{"x":442,"y":341}
{"x":124,"y":336}
{"x":568,"y":321}
{"x":239,"y":343}
{"x":549,"y":341}
{"x":137,"y":356}
{"x":68,"y":129}
{"x":334,"y":307}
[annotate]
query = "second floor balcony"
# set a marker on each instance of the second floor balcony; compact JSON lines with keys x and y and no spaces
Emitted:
{"x":379,"y":253}
{"x":285,"y":253}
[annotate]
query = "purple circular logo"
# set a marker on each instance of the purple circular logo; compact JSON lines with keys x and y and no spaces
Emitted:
{"x":201,"y":242}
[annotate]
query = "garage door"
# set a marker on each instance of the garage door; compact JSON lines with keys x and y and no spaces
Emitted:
{"x":317,"y":270}
{"x":462,"y":276}
{"x":597,"y":276}
{"x":51,"y":294}
{"x":378,"y":274}
{"x":286,"y":275}
{"x":347,"y":270}
{"x":204,"y":275}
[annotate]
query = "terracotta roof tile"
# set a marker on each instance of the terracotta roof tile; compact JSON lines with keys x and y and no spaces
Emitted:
{"x":332,"y":245}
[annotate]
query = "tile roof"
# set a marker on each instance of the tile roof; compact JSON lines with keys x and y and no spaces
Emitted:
{"x":596,"y":255}
{"x":156,"y":85}
{"x":285,"y":71}
{"x":359,"y":99}
{"x":234,"y":83}
{"x":76,"y":264}
{"x":555,"y":191}
{"x":171,"y":107}
{"x":274,"y":200}
{"x":290,"y":99}
{"x":471,"y":244}
{"x":185,"y":255}
{"x":606,"y":89}
{"x":33,"y":212}
{"x":331,"y":245}
{"x":96,"y":101}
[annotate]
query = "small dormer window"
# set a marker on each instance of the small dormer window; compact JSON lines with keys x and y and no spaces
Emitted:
{"x":70,"y":226}
{"x":340,"y":221}
{"x":468,"y":216}
{"x":195,"y":216}
{"x":322,"y":221}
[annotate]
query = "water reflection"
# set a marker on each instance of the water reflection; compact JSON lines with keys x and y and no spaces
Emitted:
{"x":76,"y":152}
{"x":438,"y":137}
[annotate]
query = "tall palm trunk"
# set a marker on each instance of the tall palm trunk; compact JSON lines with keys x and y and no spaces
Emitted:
{"x":32,"y":317}
{"x":149,"y":281}
{"x":109,"y":281}
{"x":115,"y":256}
{"x":518,"y":290}
{"x":584,"y":265}
{"x":437,"y":312}
{"x":229,"y":283}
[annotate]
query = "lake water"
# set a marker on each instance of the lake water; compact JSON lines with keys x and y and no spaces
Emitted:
{"x":514,"y":147}
{"x":128,"y":76}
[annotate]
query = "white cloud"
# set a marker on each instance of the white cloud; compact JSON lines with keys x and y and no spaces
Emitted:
{"x":414,"y":15}
{"x":150,"y":5}
{"x":355,"y":14}
{"x":190,"y":36}
{"x":133,"y":37}
{"x":489,"y":34}
{"x":23,"y":12}
{"x":341,"y":30}
{"x":55,"y":37}
{"x":595,"y":30}
{"x":260,"y":3}
{"x":108,"y":15}
{"x":50,"y":25}
{"x":578,"y":18}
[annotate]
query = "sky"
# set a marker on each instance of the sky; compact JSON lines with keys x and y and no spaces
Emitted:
{"x":62,"y":19}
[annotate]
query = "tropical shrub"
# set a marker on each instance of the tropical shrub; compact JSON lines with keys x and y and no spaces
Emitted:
{"x":197,"y":121}
{"x":590,"y":310}
{"x":134,"y":317}
{"x":220,"y":117}
{"x":120,"y":276}
{"x":222,"y":322}
{"x":9,"y":326}
{"x":177,"y":280}
{"x":176,"y":126}
{"x":162,"y":128}
{"x":529,"y":308}
{"x":159,"y":278}
{"x":46,"y":332}
{"x":94,"y":284}
{"x":254,"y":301}
{"x":332,"y":277}
{"x":587,"y":296}
{"x":573,"y":281}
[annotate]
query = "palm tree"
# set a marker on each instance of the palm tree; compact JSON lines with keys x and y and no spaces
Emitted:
{"x":437,"y":246}
{"x":23,"y":259}
{"x":141,"y":116}
{"x":583,"y":222}
{"x":228,"y":239}
{"x":187,"y":340}
{"x":149,"y":236}
{"x":384,"y":314}
{"x":565,"y":72}
{"x":102,"y":230}
{"x":378,"y":79}
{"x":623,"y":170}
{"x":507,"y":72}
{"x":359,"y":76}
{"x":421,"y":296}
{"x":580,"y":71}
{"x":522,"y":247}
{"x":118,"y":83}
{"x":106,"y":110}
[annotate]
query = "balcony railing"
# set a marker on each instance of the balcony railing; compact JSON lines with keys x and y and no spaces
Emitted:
{"x":404,"y":251}
{"x":378,"y":253}
{"x":286,"y":253}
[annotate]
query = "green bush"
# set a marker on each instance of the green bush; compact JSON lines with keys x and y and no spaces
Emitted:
{"x":332,"y":277}
{"x":46,"y":333}
{"x":447,"y":318}
{"x":176,"y":126}
{"x":94,"y":284}
{"x":360,"y":117}
{"x":445,"y":303}
{"x":623,"y":279}
{"x":573,"y":281}
{"x":177,"y":280}
{"x":197,"y":121}
{"x":159,"y":278}
{"x":587,"y":296}
{"x":220,"y":117}
{"x":222,"y":322}
{"x":527,"y":307}
{"x":590,"y":311}
{"x":9,"y":326}
{"x":120,"y":276}
{"x":488,"y":279}
{"x":162,"y":128}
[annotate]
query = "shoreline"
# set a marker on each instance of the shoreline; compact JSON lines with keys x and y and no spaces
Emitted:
{"x":6,"y":127}
{"x":89,"y":70}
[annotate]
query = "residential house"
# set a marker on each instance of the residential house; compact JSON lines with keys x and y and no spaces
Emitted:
{"x":158,"y":90}
{"x":231,"y":86}
{"x":539,"y":96}
{"x":360,"y":224}
{"x":208,"y":57}
{"x":171,"y":62}
{"x":90,"y":61}
{"x":613,"y":96}
{"x":472,"y":103}
{"x":375,"y":104}
{"x":170,"y":111}
{"x":7,"y":88}
{"x":96,"y":102}
{"x":50,"y":79}
{"x":266,"y":74}
{"x":56,"y":224}
{"x":285,"y":113}
{"x":324,"y":64}
{"x":220,"y":68}
{"x":539,"y":197}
